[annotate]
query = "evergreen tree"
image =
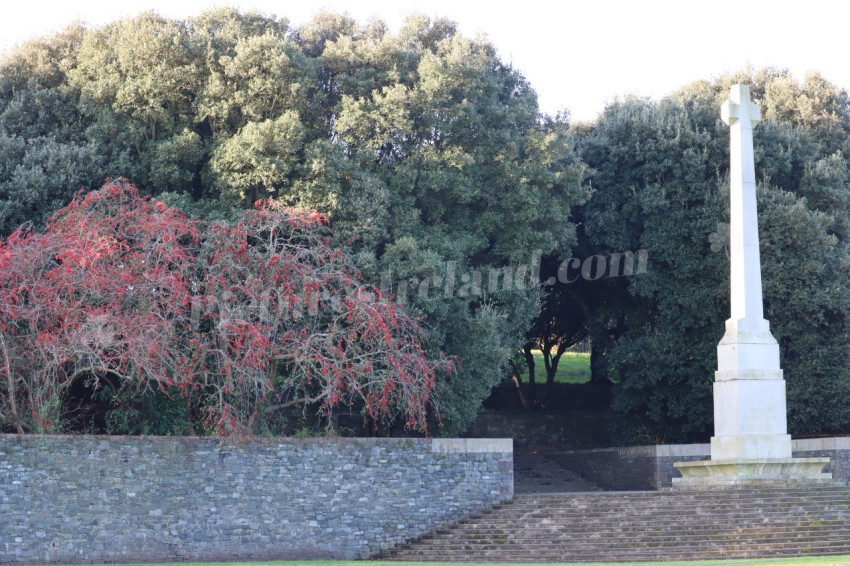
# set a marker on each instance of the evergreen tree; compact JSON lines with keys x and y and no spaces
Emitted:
{"x":426,"y":152}
{"x":661,"y":184}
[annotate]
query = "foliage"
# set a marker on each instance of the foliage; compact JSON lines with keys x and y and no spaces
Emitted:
{"x":124,"y":292}
{"x":661,"y":184}
{"x":429,"y":158}
{"x":420,"y":147}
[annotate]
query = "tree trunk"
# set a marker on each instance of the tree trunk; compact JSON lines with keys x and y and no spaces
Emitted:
{"x":551,"y":361}
{"x":596,"y":365}
{"x":10,"y":383}
{"x":518,"y":383}
{"x":529,"y":362}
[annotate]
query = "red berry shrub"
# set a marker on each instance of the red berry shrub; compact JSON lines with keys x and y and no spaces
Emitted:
{"x":265,"y":312}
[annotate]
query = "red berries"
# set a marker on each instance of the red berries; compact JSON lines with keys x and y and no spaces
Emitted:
{"x":265,"y":310}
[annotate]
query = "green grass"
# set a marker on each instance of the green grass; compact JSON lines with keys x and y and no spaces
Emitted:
{"x":573,"y":368}
{"x":817,"y":561}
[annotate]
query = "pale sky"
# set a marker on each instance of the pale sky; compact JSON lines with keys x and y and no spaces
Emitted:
{"x":578,"y":55}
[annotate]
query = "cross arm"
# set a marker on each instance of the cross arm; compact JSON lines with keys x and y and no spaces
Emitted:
{"x":739,"y":107}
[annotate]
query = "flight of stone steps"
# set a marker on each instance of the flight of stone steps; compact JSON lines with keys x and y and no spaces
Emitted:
{"x":638,"y":526}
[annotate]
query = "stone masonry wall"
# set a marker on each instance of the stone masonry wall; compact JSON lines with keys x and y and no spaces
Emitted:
{"x":619,"y":469}
{"x":837,"y":449}
{"x":88,"y":499}
{"x":651,"y":467}
{"x":666,"y":455}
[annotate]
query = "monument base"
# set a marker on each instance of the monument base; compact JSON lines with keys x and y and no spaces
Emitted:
{"x":768,"y":472}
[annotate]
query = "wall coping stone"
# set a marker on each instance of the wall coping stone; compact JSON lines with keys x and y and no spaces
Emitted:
{"x":437,"y":445}
{"x":471,"y":445}
{"x":675,"y":450}
{"x":832,"y":443}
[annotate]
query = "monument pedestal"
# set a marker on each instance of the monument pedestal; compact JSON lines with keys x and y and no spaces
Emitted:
{"x":750,"y":445}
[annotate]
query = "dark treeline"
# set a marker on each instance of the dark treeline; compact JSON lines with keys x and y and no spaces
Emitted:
{"x":424,"y":149}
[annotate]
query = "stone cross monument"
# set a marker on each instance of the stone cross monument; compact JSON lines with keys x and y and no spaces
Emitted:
{"x":750,"y":443}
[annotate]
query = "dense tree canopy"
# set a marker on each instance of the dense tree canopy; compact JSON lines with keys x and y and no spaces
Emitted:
{"x":661,"y":184}
{"x":425,"y":150}
{"x":429,"y":157}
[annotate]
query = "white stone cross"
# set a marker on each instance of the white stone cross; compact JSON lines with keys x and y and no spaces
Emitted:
{"x":751,"y":442}
{"x":742,"y":115}
{"x":749,"y":390}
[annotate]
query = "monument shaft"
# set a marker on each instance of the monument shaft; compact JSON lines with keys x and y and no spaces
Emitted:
{"x":743,"y":228}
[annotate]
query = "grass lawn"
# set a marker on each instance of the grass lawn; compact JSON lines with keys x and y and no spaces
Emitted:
{"x":573,"y":368}
{"x":814,"y":561}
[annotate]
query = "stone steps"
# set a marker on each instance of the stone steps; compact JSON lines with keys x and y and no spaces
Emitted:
{"x":658,"y":516}
{"x":495,"y":543}
{"x":730,"y":494}
{"x":650,"y":551}
{"x":626,"y":556}
{"x":665,"y":522}
{"x":637,"y":526}
{"x":662,"y":509}
{"x":679,"y":533}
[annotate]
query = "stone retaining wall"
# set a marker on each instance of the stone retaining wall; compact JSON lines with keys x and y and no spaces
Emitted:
{"x":651,"y":467}
{"x":620,"y":469}
{"x":576,"y":428}
{"x":89,"y":499}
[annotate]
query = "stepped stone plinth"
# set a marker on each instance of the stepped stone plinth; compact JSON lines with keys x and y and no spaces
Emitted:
{"x":761,"y":472}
